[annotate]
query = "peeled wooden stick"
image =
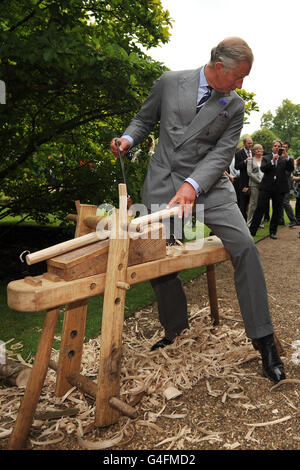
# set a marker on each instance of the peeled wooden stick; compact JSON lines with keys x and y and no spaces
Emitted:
{"x":78,"y":242}
{"x":64,"y":247}
{"x":154,"y":217}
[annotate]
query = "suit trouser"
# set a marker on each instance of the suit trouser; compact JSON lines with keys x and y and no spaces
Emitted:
{"x":297,"y":210}
{"x":243,"y":203}
{"x":237,"y":189}
{"x":227,"y":223}
{"x":286,"y":206}
{"x":264,"y":197}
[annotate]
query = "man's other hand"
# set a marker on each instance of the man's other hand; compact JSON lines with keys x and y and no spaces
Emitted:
{"x":185,"y":197}
{"x":124,"y":145}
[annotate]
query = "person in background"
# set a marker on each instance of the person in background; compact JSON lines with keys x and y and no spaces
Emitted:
{"x":255,"y":176}
{"x":286,"y":206}
{"x":242,"y":156}
{"x":296,"y":188}
{"x":273,"y":186}
{"x":234,"y":176}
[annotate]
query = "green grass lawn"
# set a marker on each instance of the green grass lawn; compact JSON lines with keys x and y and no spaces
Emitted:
{"x":24,"y":327}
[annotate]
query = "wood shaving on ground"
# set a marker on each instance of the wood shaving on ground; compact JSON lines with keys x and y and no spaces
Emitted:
{"x":157,"y":378}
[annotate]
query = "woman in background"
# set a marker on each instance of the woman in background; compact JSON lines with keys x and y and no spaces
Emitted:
{"x":255,"y":176}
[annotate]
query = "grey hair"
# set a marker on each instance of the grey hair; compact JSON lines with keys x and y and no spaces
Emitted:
{"x":231,"y":51}
{"x":256,"y":146}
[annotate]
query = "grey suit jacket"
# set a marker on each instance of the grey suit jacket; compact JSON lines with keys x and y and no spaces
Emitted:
{"x":254,"y":173}
{"x":200,"y":146}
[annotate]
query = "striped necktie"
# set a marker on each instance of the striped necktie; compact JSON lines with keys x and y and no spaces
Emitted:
{"x":204,"y":98}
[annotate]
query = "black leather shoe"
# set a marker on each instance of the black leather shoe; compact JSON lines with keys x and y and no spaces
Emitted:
{"x":162,"y":343}
{"x":273,"y":367}
{"x":273,"y":236}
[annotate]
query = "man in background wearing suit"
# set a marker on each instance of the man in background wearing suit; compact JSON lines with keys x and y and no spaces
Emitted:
{"x":286,"y":206}
{"x":241,"y":158}
{"x":201,"y":117}
{"x":274,"y":185}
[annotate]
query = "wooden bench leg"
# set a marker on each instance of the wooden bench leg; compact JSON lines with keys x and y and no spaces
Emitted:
{"x":212,"y":293}
{"x":74,"y":320}
{"x":35,"y":383}
{"x":71,"y":344}
{"x":108,"y":385}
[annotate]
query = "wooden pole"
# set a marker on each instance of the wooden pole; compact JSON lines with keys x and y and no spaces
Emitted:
{"x":71,"y":347}
{"x":89,"y":387}
{"x":61,"y":248}
{"x":72,"y":337}
{"x":212,"y":293}
{"x":34,"y":386}
{"x":113,"y":317}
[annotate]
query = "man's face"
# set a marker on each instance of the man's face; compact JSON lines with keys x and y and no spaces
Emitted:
{"x":230,"y":79}
{"x":248,"y":143}
{"x":276,"y":147}
{"x":286,"y":148}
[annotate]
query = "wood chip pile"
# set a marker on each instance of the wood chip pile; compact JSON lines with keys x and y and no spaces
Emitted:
{"x":149,"y":380}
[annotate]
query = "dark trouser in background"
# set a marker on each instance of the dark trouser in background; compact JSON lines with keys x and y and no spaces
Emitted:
{"x":286,"y":206}
{"x":297,"y":210}
{"x":237,"y":190}
{"x":243,"y":203}
{"x":227,"y":223}
{"x":263,"y":200}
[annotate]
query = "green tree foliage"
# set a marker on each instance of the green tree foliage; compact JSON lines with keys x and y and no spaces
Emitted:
{"x":75,"y":72}
{"x":250,"y":103}
{"x":285,"y":123}
{"x":264,"y":137}
{"x":67,"y":64}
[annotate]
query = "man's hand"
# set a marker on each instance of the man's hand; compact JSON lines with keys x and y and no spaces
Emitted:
{"x":124,"y":145}
{"x":275,"y":157}
{"x":185,"y":197}
{"x":229,"y":176}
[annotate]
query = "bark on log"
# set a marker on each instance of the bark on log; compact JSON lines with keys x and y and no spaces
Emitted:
{"x":15,"y":373}
{"x":55,"y":414}
{"x":72,"y":217}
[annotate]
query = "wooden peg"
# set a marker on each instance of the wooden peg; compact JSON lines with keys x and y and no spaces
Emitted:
{"x":123,"y":285}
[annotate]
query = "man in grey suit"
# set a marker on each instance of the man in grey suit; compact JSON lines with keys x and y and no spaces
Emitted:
{"x":201,"y":117}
